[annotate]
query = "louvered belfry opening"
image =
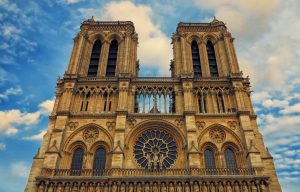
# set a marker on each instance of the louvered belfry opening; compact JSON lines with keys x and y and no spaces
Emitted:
{"x":196,"y":59}
{"x":112,"y":59}
{"x":95,"y":58}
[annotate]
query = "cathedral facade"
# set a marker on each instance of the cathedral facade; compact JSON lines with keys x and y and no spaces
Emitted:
{"x":113,"y":131}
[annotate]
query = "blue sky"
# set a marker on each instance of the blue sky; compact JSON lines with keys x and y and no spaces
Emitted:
{"x":36,"y":42}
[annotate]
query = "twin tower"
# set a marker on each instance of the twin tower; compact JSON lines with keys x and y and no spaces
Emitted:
{"x":113,"y":131}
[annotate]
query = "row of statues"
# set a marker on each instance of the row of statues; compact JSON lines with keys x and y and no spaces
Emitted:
{"x":155,"y":187}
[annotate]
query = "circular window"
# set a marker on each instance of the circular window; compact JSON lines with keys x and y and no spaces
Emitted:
{"x":155,"y":150}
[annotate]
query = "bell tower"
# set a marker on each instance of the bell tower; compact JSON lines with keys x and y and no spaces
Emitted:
{"x":104,"y":49}
{"x":203,"y":50}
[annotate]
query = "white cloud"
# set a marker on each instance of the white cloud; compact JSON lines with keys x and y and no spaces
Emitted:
{"x":36,"y":137}
{"x":2,"y":146}
{"x":46,"y":107}
{"x":269,"y":103}
{"x":291,"y":109}
{"x":20,"y":169}
{"x":14,"y":118}
{"x":10,"y":31}
{"x":154,"y":48}
{"x":10,"y":91}
{"x":72,"y":1}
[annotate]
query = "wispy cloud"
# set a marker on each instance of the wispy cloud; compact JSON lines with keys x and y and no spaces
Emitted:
{"x":2,"y":146}
{"x":9,"y":92}
{"x":14,"y":118}
{"x":36,"y":137}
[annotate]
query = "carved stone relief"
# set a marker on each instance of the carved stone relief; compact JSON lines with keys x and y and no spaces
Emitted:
{"x":217,"y":134}
{"x":232,"y":124}
{"x":110,"y":125}
{"x":72,"y":125}
{"x":90,"y":134}
{"x":200,"y":125}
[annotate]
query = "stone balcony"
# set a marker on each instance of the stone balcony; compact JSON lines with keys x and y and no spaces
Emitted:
{"x":172,"y":180}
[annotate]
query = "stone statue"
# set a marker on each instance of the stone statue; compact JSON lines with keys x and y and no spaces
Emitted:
{"x":98,"y":187}
{"x":179,"y":187}
{"x":187,"y":187}
{"x":105,"y":188}
{"x":130,"y":187}
{"x":59,"y":188}
{"x":236,"y":188}
{"x":163,"y":187}
{"x":147,"y":187}
{"x":212,"y":188}
{"x":228,"y":188}
{"x":161,"y":160}
{"x":171,"y":188}
{"x":245,"y":188}
{"x":263,"y":187}
{"x":155,"y":188}
{"x":148,"y":158}
{"x":220,"y":188}
{"x":155,"y":161}
{"x":114,"y":187}
{"x":204,"y":188}
{"x":139,"y":187}
{"x":123,"y":187}
{"x":253,"y":187}
{"x":196,"y":187}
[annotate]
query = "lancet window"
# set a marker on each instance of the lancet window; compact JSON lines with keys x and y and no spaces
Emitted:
{"x":212,"y":59}
{"x":196,"y":59}
{"x":209,"y":159}
{"x":95,"y":58}
{"x":230,"y":159}
{"x":214,"y":100}
{"x":85,"y":102}
{"x":77,"y":160}
{"x":95,"y":99}
{"x":99,"y":161}
{"x":112,"y":58}
{"x":155,"y":100}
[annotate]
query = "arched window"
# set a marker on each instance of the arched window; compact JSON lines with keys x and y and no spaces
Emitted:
{"x":99,"y":161}
{"x":196,"y":59}
{"x":209,"y":159}
{"x":77,"y":160}
{"x":112,"y":58}
{"x":212,"y":59}
{"x":230,"y":159}
{"x":220,"y":103}
{"x":95,"y":57}
{"x":85,"y":102}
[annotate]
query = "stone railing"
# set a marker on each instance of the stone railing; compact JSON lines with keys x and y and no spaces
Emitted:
{"x":144,"y":172}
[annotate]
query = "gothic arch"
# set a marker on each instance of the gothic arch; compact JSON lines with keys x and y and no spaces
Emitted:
{"x":236,"y":139}
{"x":146,"y":125}
{"x":208,"y":145}
{"x":67,"y":143}
{"x":73,"y":146}
{"x":97,"y":35}
{"x":210,"y":37}
{"x":115,"y":35}
{"x":194,"y":37}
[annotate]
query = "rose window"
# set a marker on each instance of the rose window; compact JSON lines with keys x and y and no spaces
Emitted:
{"x":155,"y":150}
{"x":217,"y":134}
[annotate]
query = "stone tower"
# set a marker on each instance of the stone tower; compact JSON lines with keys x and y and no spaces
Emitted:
{"x":112,"y":131}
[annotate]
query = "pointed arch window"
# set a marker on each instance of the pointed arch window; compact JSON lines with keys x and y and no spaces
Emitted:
{"x":230,"y":160}
{"x":112,"y":58}
{"x":77,"y":160}
{"x":95,"y":58}
{"x":85,"y":102}
{"x":99,"y":161}
{"x":209,"y":158}
{"x":196,"y":59}
{"x":212,"y":59}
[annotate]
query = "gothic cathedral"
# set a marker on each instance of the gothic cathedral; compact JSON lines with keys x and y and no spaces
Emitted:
{"x":113,"y":131}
